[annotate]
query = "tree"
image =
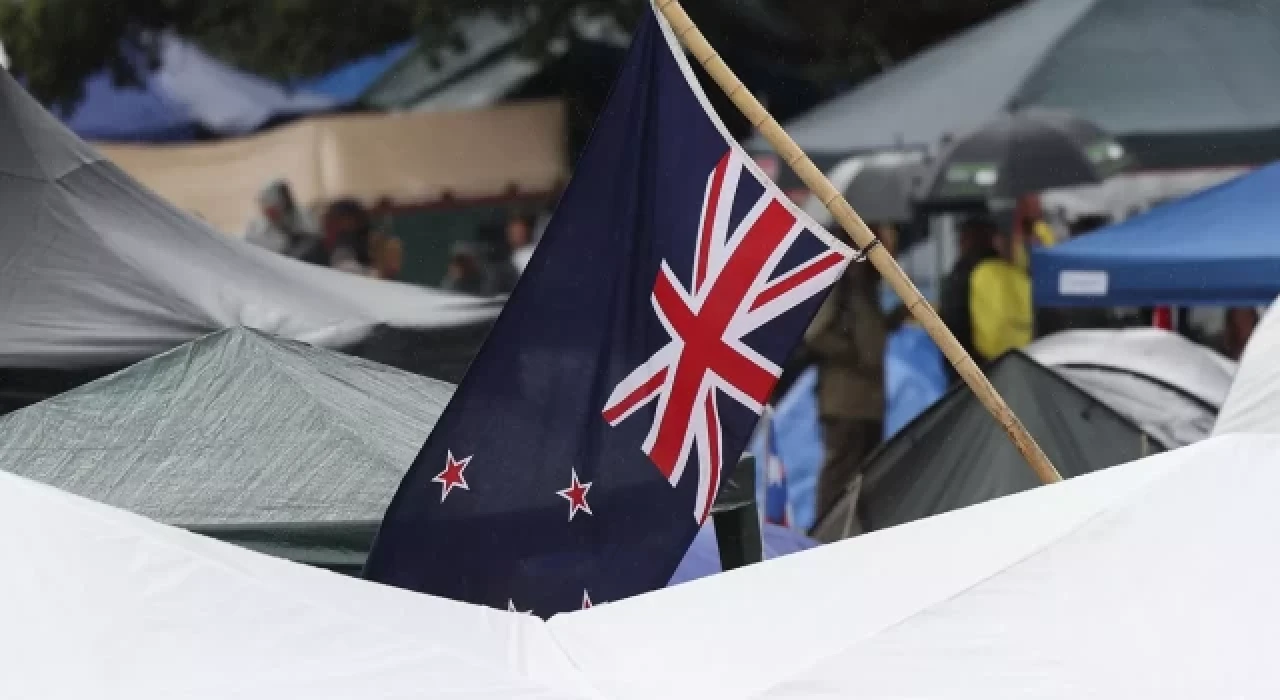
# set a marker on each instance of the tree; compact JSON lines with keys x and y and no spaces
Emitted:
{"x":56,"y":44}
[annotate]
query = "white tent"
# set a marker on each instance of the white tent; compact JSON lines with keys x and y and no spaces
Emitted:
{"x":1139,"y":581}
{"x":97,"y":271}
{"x":1253,"y":406}
{"x":1147,"y":580}
{"x":1169,"y":386}
{"x":99,"y":603}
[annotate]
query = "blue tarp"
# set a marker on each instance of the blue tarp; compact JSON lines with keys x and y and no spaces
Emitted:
{"x":1220,"y":247}
{"x":189,"y":93}
{"x":914,"y":376}
{"x":349,"y":83}
{"x":798,"y":441}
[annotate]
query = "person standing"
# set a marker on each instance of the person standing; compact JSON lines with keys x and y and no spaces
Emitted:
{"x":847,"y":342}
{"x":986,"y":300}
{"x":520,"y":240}
{"x":280,"y":226}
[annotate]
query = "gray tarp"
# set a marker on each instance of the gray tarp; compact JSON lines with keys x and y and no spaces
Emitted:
{"x":272,"y":444}
{"x":1143,"y":69}
{"x":97,"y":271}
{"x":955,"y":455}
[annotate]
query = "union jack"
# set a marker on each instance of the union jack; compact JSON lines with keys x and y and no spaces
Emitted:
{"x":733,"y":293}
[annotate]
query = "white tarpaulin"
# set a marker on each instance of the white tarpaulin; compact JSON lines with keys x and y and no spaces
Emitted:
{"x":99,"y":603}
{"x":1147,"y":580}
{"x":96,"y":270}
{"x":1253,"y":406}
{"x":1140,"y":581}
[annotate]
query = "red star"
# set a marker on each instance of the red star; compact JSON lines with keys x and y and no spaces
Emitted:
{"x":576,"y":495}
{"x":452,"y":476}
{"x":586,"y":599}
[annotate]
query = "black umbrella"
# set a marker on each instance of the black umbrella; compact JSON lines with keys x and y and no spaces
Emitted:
{"x":884,"y":193}
{"x":1029,"y":151}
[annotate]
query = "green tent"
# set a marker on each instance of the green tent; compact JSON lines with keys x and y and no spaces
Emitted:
{"x":955,"y":455}
{"x":270,"y":444}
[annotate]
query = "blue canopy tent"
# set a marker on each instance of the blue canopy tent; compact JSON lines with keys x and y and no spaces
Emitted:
{"x":1220,"y":247}
{"x":188,"y":95}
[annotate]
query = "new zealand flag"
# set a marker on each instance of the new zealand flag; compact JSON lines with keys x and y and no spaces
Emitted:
{"x":585,"y":446}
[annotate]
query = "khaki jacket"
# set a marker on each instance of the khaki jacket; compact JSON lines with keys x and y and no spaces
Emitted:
{"x":847,"y":338}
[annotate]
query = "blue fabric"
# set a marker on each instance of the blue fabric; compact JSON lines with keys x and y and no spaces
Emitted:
{"x":703,"y":557}
{"x":189,"y":93}
{"x":797,"y":436}
{"x":110,"y":113}
{"x":544,"y":402}
{"x":914,"y":375}
{"x":1218,"y":247}
{"x":348,"y":83}
{"x":776,"y":504}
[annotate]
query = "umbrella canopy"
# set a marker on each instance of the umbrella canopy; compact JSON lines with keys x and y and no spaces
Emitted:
{"x":880,"y":187}
{"x":1215,"y":248}
{"x":1181,"y":82}
{"x":1028,"y":151}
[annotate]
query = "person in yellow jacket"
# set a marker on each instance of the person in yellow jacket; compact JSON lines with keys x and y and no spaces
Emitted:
{"x":986,"y":300}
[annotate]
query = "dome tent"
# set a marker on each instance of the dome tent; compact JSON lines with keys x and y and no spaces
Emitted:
{"x":271,"y":444}
{"x":955,"y":455}
{"x":99,"y":272}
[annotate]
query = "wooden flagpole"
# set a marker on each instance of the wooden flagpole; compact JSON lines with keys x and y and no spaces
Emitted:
{"x":817,"y":182}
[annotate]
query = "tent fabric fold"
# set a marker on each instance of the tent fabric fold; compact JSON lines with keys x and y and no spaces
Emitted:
{"x":97,"y":272}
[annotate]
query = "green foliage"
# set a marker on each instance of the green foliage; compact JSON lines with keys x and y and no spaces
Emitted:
{"x":56,"y":44}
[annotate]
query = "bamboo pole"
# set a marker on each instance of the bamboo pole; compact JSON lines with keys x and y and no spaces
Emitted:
{"x":817,"y":182}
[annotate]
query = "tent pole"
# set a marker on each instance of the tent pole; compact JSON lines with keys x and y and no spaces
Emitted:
{"x":768,"y":127}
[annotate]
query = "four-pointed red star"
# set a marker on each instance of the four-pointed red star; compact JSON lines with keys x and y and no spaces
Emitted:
{"x":576,"y":495}
{"x":452,"y":476}
{"x":586,"y":599}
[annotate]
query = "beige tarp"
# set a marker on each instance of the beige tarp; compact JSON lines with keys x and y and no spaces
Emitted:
{"x":410,"y":158}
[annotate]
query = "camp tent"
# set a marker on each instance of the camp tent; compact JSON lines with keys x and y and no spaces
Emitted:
{"x":951,"y":606}
{"x":955,"y":455}
{"x":1216,"y":247}
{"x":187,"y":94}
{"x":98,"y":273}
{"x":100,"y":603}
{"x":1171,"y":387}
{"x":1253,"y":403}
{"x":1143,"y":581}
{"x":1150,"y":73}
{"x":272,"y":444}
